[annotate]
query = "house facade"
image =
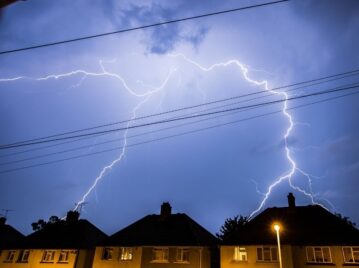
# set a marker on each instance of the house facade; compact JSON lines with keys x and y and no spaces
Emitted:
{"x":66,"y":244}
{"x":164,"y":240}
{"x":310,"y":236}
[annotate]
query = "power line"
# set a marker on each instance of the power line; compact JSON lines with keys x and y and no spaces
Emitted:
{"x":177,"y":135}
{"x":327,"y":78}
{"x":173,"y":119}
{"x":150,"y":132}
{"x":139,"y":27}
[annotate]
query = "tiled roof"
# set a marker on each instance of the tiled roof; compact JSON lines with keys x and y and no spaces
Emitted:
{"x":156,"y":230}
{"x":80,"y":234}
{"x":10,"y":237}
{"x":302,"y":225}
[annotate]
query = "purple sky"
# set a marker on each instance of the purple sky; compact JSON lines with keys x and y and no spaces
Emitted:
{"x":210,"y":175}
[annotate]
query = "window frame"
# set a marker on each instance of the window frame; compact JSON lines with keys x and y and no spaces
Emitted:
{"x":107,"y":254}
{"x":45,"y":256}
{"x":164,"y":256}
{"x":10,"y":257}
{"x":351,"y":253}
{"x":65,"y":253}
{"x":238,"y":253}
{"x":181,"y":252}
{"x":269,"y":251}
{"x":24,"y":256}
{"x":319,"y":260}
{"x":126,"y":254}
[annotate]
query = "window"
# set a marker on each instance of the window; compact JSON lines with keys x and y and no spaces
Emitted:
{"x":182,"y":255}
{"x":351,"y":254}
{"x":64,"y":256}
{"x":107,"y":253}
{"x":49,"y":256}
{"x":267,"y":254}
{"x":160,"y":255}
{"x":319,"y":255}
{"x":240,"y":254}
{"x":24,"y":256}
{"x":126,"y":254}
{"x":10,"y":256}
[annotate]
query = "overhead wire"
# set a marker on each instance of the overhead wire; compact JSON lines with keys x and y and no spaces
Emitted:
{"x":178,"y":134}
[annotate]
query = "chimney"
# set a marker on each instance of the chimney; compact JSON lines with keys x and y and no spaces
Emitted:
{"x":291,"y":200}
{"x":2,"y":221}
{"x":72,"y":216}
{"x":165,"y":210}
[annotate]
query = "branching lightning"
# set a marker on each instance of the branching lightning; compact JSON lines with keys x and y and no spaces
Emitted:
{"x":244,"y":70}
{"x":293,"y":166}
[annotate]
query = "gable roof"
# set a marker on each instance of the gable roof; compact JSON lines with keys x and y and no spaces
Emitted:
{"x":156,"y":230}
{"x":79,"y":234}
{"x":302,"y":225}
{"x":10,"y":237}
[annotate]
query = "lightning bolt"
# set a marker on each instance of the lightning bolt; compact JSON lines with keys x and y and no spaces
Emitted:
{"x":145,"y":96}
{"x":293,"y":166}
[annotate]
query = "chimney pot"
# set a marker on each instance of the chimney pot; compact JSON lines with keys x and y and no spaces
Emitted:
{"x":166,"y":209}
{"x":2,"y":220}
{"x":291,"y":200}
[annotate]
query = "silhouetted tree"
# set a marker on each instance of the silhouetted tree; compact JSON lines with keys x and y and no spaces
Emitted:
{"x":345,"y":219}
{"x":41,"y":224}
{"x":231,"y":228}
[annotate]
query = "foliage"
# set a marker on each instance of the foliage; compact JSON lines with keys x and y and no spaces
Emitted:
{"x":231,"y":228}
{"x":41,"y":224}
{"x":345,"y":219}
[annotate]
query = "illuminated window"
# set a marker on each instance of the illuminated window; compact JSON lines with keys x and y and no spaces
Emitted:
{"x":267,"y":254}
{"x":24,"y":256}
{"x":126,"y":254}
{"x":240,"y":254}
{"x":351,"y":254}
{"x":160,"y":255}
{"x":48,"y":256}
{"x":107,"y":253}
{"x":10,"y":256}
{"x":64,"y":256}
{"x":319,"y":255}
{"x":182,"y":255}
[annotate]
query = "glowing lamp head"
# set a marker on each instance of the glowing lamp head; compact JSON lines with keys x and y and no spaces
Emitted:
{"x":276,"y":227}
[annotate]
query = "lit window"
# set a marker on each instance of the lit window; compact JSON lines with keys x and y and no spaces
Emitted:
{"x":10,"y":256}
{"x":64,"y":256}
{"x":107,"y":253}
{"x":126,"y":254}
{"x":24,"y":256}
{"x":160,"y":255}
{"x":267,"y":254}
{"x":319,"y":255}
{"x":182,"y":255}
{"x":48,"y":256}
{"x":351,"y":254}
{"x":240,"y":254}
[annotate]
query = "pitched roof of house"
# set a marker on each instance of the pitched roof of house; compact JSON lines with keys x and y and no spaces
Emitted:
{"x":79,"y":234}
{"x":163,"y":230}
{"x":300,"y":225}
{"x":10,"y":237}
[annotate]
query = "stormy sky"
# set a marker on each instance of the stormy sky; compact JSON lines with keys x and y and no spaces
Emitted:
{"x":210,"y":175}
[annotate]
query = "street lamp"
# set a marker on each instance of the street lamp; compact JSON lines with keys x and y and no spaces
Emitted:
{"x":277,"y":228}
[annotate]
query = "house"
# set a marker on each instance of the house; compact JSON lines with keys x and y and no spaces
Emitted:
{"x":67,"y":243}
{"x":10,"y":239}
{"x":310,"y":236}
{"x":164,"y":240}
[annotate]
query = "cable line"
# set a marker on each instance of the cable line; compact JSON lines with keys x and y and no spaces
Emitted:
{"x":138,"y":28}
{"x":336,"y":76}
{"x":179,"y":118}
{"x":177,"y":135}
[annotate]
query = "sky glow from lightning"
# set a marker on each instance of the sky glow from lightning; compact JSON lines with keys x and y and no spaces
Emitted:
{"x":145,"y":97}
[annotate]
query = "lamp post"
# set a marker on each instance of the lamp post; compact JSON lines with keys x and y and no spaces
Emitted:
{"x":277,"y":228}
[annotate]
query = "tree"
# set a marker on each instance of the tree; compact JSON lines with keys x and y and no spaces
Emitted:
{"x":345,"y":219}
{"x":232,"y":228}
{"x":41,"y":224}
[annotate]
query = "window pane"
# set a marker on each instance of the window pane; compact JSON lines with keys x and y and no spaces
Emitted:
{"x":266,"y":254}
{"x":310,"y":255}
{"x":326,"y":255}
{"x":274,"y":253}
{"x":347,"y":255}
{"x":260,"y":254}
